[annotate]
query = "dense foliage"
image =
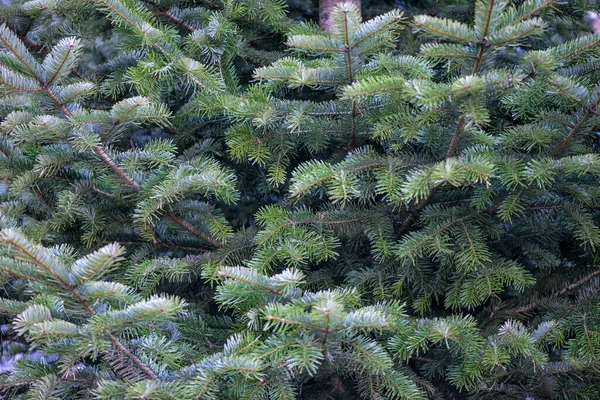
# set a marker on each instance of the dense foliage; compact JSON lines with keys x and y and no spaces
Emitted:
{"x":212,"y":200}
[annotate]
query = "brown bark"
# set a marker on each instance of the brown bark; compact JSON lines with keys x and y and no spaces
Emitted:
{"x":326,"y":8}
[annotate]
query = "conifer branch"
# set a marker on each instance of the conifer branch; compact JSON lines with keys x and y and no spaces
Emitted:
{"x":224,"y":274}
{"x":135,"y":359}
{"x":457,"y":132}
{"x":190,"y":228}
{"x":342,"y":325}
{"x":132,"y":182}
{"x":289,"y":321}
{"x":81,"y":300}
{"x":459,"y":126}
{"x":20,"y":52}
{"x":571,"y":134}
{"x":62,"y":63}
{"x":414,"y":213}
{"x":56,"y":100}
{"x":576,"y":284}
{"x":100,"y":151}
{"x":118,"y":13}
{"x":532,"y":306}
{"x":461,"y":123}
{"x":540,"y":7}
{"x":478,"y":59}
{"x":580,"y":50}
{"x":171,"y":16}
{"x":24,"y":38}
{"x":347,"y":50}
{"x":177,"y":20}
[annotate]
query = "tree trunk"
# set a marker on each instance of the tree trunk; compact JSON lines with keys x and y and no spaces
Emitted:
{"x":326,"y":7}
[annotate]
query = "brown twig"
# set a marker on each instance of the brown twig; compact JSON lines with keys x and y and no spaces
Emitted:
{"x":190,"y":228}
{"x":568,"y":138}
{"x":177,"y":20}
{"x":532,"y":306}
{"x":354,"y":112}
{"x":100,"y":151}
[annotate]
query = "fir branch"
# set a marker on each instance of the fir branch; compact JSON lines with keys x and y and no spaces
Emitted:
{"x":573,"y":131}
{"x":457,"y":132}
{"x":171,"y":16}
{"x":543,"y":4}
{"x":18,"y":244}
{"x":403,"y":217}
{"x":100,"y":151}
{"x":12,"y":42}
{"x":576,"y":284}
{"x":459,"y":126}
{"x":119,"y":171}
{"x":177,"y":20}
{"x":190,"y":228}
{"x":414,"y":213}
{"x":526,"y":308}
{"x":347,"y":50}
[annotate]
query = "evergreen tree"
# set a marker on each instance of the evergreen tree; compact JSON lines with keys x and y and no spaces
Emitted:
{"x":190,"y":212}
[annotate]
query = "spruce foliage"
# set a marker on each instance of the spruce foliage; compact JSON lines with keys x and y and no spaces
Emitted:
{"x":190,"y":212}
